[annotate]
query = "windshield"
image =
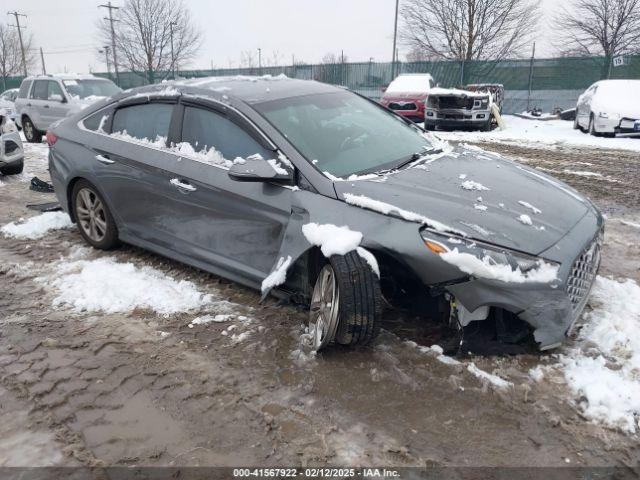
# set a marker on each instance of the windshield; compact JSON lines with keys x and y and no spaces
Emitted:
{"x":90,"y":88}
{"x":344,"y":134}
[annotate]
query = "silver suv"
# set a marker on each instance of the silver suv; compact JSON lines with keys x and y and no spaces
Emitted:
{"x":45,"y":99}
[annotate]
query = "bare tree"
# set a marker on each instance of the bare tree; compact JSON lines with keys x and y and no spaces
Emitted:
{"x":599,"y":27}
{"x":144,"y":31}
{"x":10,"y":54}
{"x":248,"y":59}
{"x":469,"y":29}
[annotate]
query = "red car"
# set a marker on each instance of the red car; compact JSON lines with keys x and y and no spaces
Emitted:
{"x":407,"y":94}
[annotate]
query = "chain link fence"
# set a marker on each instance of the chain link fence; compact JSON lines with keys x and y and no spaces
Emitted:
{"x":544,"y":83}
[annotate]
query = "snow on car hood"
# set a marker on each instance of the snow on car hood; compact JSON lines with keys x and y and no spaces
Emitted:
{"x":483,"y":195}
{"x":618,"y":96}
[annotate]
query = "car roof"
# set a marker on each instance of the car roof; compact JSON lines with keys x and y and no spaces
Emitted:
{"x":64,"y":76}
{"x":247,"y":89}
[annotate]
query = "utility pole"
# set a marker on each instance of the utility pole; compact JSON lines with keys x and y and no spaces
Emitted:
{"x":173,"y":57}
{"x":111,"y":8}
{"x":533,"y":56}
{"x":44,"y":69}
{"x":260,"y":60}
{"x":17,"y":16}
{"x":105,"y":50}
{"x":395,"y":41}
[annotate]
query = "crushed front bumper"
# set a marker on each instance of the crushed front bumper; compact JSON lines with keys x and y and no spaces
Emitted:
{"x":551,"y":309}
{"x":11,"y":151}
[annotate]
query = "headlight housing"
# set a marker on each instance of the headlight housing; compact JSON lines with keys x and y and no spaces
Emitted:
{"x":442,"y":243}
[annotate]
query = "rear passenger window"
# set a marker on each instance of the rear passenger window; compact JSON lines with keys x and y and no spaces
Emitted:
{"x":98,"y":121}
{"x":40,"y":90}
{"x":205,"y":129}
{"x":24,"y":89}
{"x":145,"y":122}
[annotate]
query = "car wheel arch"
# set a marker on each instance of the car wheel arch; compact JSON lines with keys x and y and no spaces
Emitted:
{"x":69,"y":192}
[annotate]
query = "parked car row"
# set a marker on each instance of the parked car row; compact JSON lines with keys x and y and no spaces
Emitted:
{"x":415,"y":96}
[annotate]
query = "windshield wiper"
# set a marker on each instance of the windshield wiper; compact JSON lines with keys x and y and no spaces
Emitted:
{"x":417,"y":156}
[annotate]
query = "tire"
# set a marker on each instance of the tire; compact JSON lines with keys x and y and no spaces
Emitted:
{"x":592,"y":127}
{"x":359,"y":298}
{"x":103,"y":234}
{"x":430,"y":128}
{"x":576,"y":125}
{"x":487,"y":126}
{"x":30,"y":132}
{"x":13,"y":169}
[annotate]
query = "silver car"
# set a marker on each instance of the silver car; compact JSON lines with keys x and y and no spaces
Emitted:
{"x":7,"y":102}
{"x":315,"y":193}
{"x":43,"y":100}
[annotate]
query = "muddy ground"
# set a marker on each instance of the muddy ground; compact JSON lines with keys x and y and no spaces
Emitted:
{"x":97,"y":389}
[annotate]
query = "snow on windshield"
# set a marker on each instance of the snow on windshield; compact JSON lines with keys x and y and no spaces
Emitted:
{"x":410,"y":84}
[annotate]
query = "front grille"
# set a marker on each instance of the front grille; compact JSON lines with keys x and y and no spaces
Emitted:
{"x":402,"y":106}
{"x":583,"y":274}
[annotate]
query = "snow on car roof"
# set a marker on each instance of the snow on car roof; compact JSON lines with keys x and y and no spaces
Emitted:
{"x":410,"y":82}
{"x":249,"y":89}
{"x":65,"y":76}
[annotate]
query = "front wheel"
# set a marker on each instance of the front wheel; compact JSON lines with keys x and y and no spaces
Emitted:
{"x":95,"y":222}
{"x":346,"y":304}
{"x":592,"y":127}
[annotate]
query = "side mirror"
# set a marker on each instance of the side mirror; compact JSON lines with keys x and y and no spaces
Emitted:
{"x":254,"y":170}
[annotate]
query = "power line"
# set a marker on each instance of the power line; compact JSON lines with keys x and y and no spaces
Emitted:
{"x":111,"y":8}
{"x":17,"y":16}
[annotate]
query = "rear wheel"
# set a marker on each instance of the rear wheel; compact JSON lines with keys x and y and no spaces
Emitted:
{"x":13,"y":169}
{"x":346,"y":304}
{"x":30,"y":132}
{"x":95,"y":222}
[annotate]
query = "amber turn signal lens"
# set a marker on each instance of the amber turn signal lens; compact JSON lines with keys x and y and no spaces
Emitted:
{"x":435,"y":247}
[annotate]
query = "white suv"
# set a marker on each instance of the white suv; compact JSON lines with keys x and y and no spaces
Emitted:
{"x":45,"y":99}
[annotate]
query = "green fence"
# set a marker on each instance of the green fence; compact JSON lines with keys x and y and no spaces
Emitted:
{"x":555,"y":82}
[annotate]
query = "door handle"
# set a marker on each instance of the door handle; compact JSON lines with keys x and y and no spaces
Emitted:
{"x":46,"y":106}
{"x":105,"y":160}
{"x":29,"y":105}
{"x":187,"y":187}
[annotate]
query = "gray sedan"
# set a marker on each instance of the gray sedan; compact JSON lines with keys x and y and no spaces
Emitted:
{"x":311,"y":192}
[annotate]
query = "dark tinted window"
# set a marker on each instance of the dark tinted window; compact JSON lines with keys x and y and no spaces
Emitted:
{"x":148,"y":121}
{"x":204,"y":129}
{"x":90,"y":88}
{"x":40,"y":90}
{"x":97,"y":120}
{"x":24,"y":88}
{"x":54,"y":92}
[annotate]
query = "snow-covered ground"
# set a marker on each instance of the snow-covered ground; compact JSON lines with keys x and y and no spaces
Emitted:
{"x":543,"y":134}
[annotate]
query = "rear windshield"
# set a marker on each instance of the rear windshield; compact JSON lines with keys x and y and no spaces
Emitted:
{"x":85,"y":89}
{"x":24,"y":89}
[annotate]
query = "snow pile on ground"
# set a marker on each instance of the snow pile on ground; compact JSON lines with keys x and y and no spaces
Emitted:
{"x":542,"y":134}
{"x":487,"y":268}
{"x":488,"y":377}
{"x":603,"y":372}
{"x":38,"y":226}
{"x":331,"y":239}
{"x":206,"y":319}
{"x":278,"y":275}
{"x":106,"y":285}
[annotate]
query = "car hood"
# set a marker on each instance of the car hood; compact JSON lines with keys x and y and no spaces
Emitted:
{"x":437,"y":191}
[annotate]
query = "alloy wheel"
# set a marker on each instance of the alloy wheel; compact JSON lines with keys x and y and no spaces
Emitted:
{"x":91,"y":214}
{"x":28,"y":130}
{"x":325,"y":302}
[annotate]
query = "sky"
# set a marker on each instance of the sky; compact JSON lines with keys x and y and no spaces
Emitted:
{"x":304,"y":29}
